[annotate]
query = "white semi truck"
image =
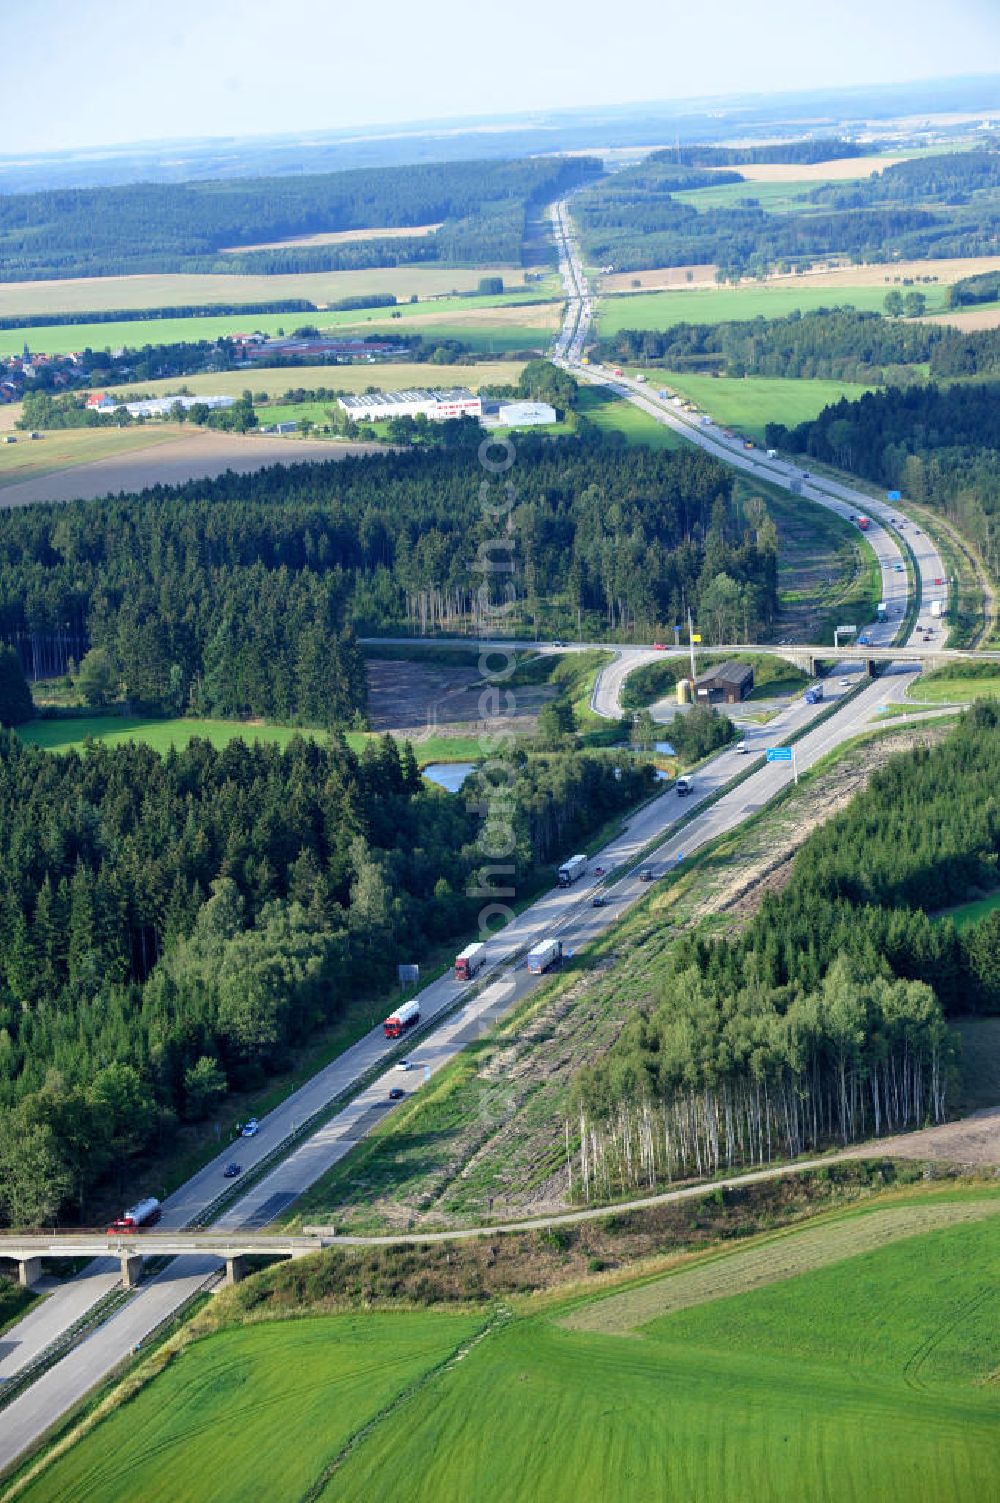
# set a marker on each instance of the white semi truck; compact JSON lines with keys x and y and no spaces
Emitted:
{"x":544,"y":955}
{"x":571,"y":870}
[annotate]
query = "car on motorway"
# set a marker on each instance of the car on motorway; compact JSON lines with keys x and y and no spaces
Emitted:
{"x":845,"y":683}
{"x":898,"y":568}
{"x":659,"y":646}
{"x":939,"y":580}
{"x":558,"y":642}
{"x":232,"y":1170}
{"x":599,"y":871}
{"x":250,"y":1129}
{"x":599,"y":901}
{"x":647,"y":874}
{"x":742,"y":749}
{"x":396,"y":1093}
{"x":404,"y":1064}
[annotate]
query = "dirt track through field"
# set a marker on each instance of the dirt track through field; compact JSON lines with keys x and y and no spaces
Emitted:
{"x":193,"y":457}
{"x":771,"y":1262}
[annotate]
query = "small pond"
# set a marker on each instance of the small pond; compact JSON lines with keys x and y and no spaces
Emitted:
{"x":449,"y":775}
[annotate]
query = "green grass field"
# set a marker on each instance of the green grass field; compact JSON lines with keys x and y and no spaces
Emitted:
{"x":111,"y":730}
{"x":661,"y":310}
{"x":433,"y":320}
{"x":746,"y":403}
{"x":254,"y":1413}
{"x":847,"y":1358}
{"x":602,"y":407}
{"x":777,"y":1394}
{"x":775,"y":198}
{"x":967,"y":914}
{"x":953,"y":687}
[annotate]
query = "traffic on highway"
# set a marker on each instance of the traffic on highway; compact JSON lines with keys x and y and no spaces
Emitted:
{"x":320,"y":1123}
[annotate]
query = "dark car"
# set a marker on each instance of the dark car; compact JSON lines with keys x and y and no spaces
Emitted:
{"x":396,"y":1093}
{"x":232,"y":1170}
{"x":647,"y":875}
{"x":599,"y":902}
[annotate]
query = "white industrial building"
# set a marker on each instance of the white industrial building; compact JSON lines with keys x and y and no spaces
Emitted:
{"x":164,"y":406}
{"x":376,"y":406}
{"x":526,"y":414}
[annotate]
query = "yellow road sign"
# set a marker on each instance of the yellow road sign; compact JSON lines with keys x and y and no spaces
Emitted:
{"x":696,"y":637}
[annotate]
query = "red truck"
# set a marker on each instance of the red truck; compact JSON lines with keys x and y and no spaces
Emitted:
{"x":145,"y":1213}
{"x":864,"y":523}
{"x":403,"y":1018}
{"x":468,"y":961}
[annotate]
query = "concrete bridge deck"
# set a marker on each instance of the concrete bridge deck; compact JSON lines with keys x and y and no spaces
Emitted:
{"x":30,"y":1250}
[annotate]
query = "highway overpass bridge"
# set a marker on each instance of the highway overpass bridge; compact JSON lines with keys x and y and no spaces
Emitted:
{"x":805,"y":655}
{"x":30,"y":1250}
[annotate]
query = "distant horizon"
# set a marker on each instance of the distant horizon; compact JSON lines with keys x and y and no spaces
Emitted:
{"x":88,"y":79}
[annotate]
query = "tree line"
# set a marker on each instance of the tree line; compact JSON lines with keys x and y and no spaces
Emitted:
{"x":241,"y":595}
{"x":825,"y":343}
{"x":171,"y":927}
{"x":940,"y":444}
{"x":935,"y":206}
{"x":825,"y":1019}
{"x":808,"y":151}
{"x":172,"y":227}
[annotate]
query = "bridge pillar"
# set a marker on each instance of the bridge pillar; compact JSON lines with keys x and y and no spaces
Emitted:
{"x":236,"y":1270}
{"x":29,"y":1271}
{"x":131,"y":1269}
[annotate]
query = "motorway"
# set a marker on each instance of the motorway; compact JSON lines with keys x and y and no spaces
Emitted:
{"x":465,"y":1011}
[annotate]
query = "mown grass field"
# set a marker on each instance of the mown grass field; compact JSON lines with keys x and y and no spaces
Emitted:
{"x":107,"y":294}
{"x":64,"y":449}
{"x":661,"y":310}
{"x":254,"y":1413}
{"x":747,"y":403}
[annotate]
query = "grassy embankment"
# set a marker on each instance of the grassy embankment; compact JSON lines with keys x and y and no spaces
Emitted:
{"x":776,"y":1357}
{"x":957,"y":685}
{"x":602,"y":407}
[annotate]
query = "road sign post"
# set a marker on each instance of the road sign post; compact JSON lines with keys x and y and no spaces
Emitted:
{"x":783,"y":754}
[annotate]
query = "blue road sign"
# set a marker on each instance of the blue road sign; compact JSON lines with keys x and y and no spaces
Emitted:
{"x":894,"y":495}
{"x":779,"y":754}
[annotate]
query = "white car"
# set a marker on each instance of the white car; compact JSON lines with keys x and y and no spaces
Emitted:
{"x":250,"y":1129}
{"x":845,"y":683}
{"x":403,"y":1064}
{"x":741,"y":749}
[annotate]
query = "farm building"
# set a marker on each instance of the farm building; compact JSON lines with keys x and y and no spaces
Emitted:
{"x":728,"y":683}
{"x":375,"y":406}
{"x":526,"y":414}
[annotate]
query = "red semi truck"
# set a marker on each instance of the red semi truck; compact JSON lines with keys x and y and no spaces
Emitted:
{"x":403,"y":1018}
{"x":468,"y":961}
{"x":864,"y":523}
{"x":145,"y":1213}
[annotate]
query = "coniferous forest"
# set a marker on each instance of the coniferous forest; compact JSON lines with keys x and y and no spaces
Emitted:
{"x":171,"y":927}
{"x":241,"y":595}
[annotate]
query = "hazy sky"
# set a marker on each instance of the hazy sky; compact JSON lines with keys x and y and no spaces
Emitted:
{"x":88,"y":72}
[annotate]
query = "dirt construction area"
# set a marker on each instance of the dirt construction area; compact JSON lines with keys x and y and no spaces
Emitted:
{"x":425,"y":698}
